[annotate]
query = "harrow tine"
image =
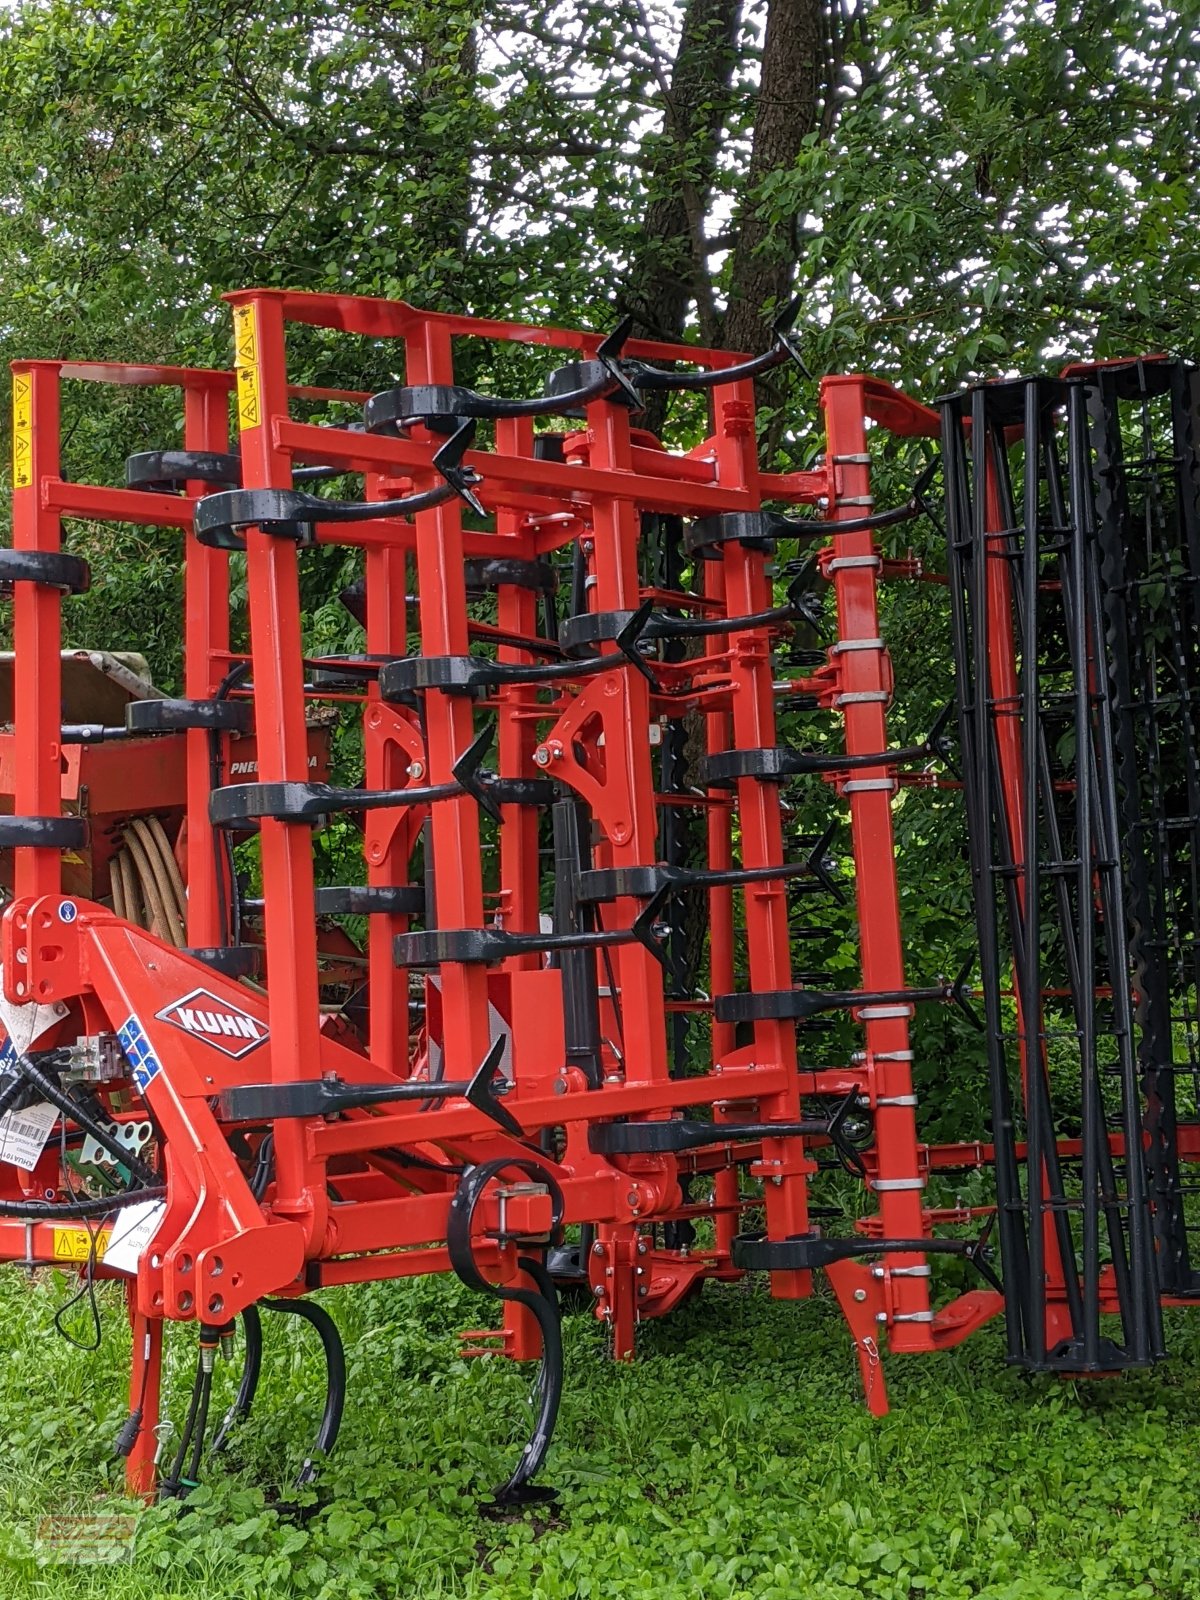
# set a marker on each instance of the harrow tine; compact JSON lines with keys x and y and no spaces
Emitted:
{"x":626,"y":642}
{"x":817,"y":863}
{"x":609,"y":356}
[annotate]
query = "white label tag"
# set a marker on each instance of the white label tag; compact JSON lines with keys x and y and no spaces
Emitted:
{"x":27,"y":1023}
{"x":24,"y":1134}
{"x":132,"y":1232}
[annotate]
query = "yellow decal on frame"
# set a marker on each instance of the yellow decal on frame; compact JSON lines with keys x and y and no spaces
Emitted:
{"x":245,"y":355}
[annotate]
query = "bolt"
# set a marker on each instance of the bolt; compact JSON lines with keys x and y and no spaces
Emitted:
{"x":599,"y":1291}
{"x":632,"y":1198}
{"x":643,"y":1291}
{"x":416,"y":769}
{"x":641,"y":1272}
{"x":541,"y":756}
{"x":642,"y":1247}
{"x":597,"y":1248}
{"x":860,"y":1295}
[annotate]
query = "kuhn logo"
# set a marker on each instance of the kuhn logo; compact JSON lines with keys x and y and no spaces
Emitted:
{"x":225,"y":1027}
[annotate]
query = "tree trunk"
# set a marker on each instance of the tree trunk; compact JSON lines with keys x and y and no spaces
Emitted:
{"x":789,"y":107}
{"x":671,"y":269}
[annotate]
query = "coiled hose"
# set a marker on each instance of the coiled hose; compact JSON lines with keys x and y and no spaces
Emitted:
{"x":147,"y":885}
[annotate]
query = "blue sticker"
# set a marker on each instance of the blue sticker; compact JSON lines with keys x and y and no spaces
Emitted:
{"x":8,"y":1058}
{"x":146,"y":1065}
{"x":68,"y":911}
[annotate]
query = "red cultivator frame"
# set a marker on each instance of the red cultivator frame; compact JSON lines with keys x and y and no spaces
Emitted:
{"x":534,"y":1081}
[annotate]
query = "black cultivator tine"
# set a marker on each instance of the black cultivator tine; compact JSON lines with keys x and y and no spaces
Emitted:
{"x":335,"y":1379}
{"x":542,"y":1301}
{"x":448,"y":461}
{"x":481,"y":1092}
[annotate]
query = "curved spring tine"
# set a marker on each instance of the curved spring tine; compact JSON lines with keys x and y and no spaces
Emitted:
{"x":542,"y":1302}
{"x":335,"y":1385}
{"x":438,"y":404}
{"x":781,"y":350}
{"x":218,"y":518}
{"x":806,"y":527}
{"x":848,"y":1155}
{"x":959,"y":993}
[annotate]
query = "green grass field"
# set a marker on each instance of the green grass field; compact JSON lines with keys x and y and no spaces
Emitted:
{"x":734,"y":1460}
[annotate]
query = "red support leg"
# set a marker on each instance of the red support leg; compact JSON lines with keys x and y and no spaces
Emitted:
{"x":145,"y":1382}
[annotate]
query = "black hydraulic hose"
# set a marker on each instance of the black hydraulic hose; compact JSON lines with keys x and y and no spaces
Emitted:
{"x":11,"y":1093}
{"x":173,"y":1482}
{"x":248,"y":1385}
{"x":335,"y":1389}
{"x":201,"y":1427}
{"x":49,"y":1090}
{"x":264,"y":1167}
{"x":54,"y":1210}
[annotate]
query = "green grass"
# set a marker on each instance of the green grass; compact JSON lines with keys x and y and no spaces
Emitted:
{"x":734,"y":1460}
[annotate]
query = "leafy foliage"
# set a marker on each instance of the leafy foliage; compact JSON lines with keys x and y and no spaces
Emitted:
{"x":733,"y":1461}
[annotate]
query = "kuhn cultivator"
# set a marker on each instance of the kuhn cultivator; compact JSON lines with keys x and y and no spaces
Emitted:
{"x":574,"y":1042}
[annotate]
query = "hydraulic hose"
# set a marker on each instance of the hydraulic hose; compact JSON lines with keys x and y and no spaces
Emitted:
{"x":171,"y":879}
{"x":248,"y":1385}
{"x":159,"y":880}
{"x":173,"y":1482}
{"x":201,"y":1425}
{"x":55,"y":1210}
{"x":11,"y":1093}
{"x":49,"y":1090}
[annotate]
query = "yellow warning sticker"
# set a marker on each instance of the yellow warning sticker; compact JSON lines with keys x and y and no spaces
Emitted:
{"x":245,"y":355}
{"x":22,"y":412}
{"x":75,"y":1244}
